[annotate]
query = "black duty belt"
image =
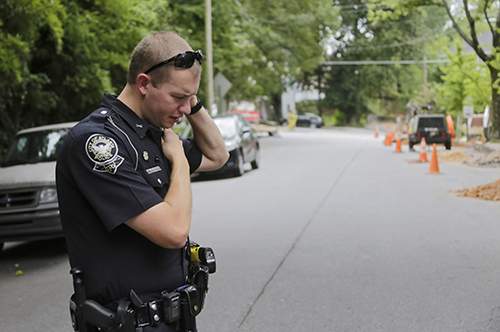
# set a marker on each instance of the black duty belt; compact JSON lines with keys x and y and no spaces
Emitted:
{"x":179,"y":307}
{"x":166,"y":307}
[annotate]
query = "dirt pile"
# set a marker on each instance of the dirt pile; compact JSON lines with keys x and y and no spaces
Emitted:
{"x":454,"y":156}
{"x":488,"y":159}
{"x":490,"y":191}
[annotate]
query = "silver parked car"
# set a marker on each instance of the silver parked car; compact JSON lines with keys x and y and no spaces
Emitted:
{"x":241,"y":143}
{"x":28,"y":197}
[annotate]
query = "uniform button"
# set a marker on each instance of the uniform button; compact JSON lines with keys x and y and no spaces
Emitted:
{"x":104,"y":112}
{"x":153,"y":306}
{"x":159,"y":181}
{"x":156,"y":317}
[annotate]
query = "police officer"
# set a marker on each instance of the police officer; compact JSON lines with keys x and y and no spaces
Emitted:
{"x":123,"y":176}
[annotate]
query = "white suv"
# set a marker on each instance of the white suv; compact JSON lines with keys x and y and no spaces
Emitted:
{"x":28,"y":196}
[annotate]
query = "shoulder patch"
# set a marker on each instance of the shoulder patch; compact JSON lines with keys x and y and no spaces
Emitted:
{"x":103,"y":152}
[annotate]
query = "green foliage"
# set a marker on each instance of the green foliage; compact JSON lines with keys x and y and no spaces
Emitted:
{"x":358,"y":90}
{"x":257,"y":44}
{"x":464,"y":77}
{"x":308,"y":106}
{"x":277,"y":41}
{"x":21,"y":25}
{"x":469,"y":20}
{"x":60,"y":56}
{"x":334,"y":119}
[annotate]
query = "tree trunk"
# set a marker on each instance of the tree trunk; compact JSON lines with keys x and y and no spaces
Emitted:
{"x":275,"y":113}
{"x":495,"y":105}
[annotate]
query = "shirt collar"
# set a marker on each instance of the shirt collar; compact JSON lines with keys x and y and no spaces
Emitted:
{"x":140,"y":126}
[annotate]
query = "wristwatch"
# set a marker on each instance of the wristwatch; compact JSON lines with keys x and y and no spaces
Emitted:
{"x":196,"y":108}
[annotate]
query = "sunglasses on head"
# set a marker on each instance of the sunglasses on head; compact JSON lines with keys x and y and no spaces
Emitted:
{"x":182,"y":60}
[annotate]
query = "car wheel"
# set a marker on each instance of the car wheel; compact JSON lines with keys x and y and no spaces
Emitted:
{"x":447,"y":145}
{"x":240,"y":163}
{"x":256,"y":162}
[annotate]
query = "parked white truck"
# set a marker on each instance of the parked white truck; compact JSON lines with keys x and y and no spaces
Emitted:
{"x":28,"y":196}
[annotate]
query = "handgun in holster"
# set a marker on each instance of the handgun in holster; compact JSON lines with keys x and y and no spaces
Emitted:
{"x":87,"y":314}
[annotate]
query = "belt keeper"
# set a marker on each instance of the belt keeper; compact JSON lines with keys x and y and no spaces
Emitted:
{"x":148,"y":314}
{"x":171,"y":306}
{"x":154,"y":312}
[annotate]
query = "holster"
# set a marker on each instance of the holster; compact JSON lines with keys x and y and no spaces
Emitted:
{"x":190,"y":307}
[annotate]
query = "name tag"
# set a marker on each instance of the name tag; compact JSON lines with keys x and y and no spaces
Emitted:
{"x":153,"y":169}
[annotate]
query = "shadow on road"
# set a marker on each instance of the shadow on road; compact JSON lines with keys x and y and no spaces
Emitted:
{"x":45,"y":249}
{"x":26,"y":258}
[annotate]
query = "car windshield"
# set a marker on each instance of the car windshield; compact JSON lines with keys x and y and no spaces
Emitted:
{"x":227,"y":127}
{"x":436,"y":122}
{"x":34,"y":147}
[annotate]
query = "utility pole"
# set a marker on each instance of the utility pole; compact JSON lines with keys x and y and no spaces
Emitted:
{"x":424,"y":64}
{"x":320,"y":76}
{"x":210,"y":68}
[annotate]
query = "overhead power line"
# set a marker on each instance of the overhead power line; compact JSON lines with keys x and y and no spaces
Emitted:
{"x":382,"y":62}
{"x":418,"y":40}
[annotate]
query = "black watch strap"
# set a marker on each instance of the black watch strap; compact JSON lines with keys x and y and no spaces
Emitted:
{"x":196,"y":108}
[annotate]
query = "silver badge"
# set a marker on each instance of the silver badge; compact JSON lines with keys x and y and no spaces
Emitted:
{"x":145,"y":155}
{"x":103,"y":151}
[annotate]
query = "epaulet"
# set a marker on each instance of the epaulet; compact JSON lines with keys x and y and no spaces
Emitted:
{"x":102,"y":112}
{"x":93,"y":122}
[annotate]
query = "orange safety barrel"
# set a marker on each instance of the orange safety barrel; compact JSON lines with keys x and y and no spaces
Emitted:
{"x":451,"y":127}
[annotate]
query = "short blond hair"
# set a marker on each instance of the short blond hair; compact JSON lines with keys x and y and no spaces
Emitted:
{"x":152,"y":49}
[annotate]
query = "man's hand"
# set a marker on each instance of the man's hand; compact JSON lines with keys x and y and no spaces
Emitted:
{"x":167,"y":223}
{"x":208,"y":138}
{"x":193,"y":101}
{"x":172,"y":146}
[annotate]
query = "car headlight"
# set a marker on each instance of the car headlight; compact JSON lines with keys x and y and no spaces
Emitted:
{"x":48,"y":195}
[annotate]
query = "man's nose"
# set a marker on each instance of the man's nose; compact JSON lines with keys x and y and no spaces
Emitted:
{"x":185,"y":107}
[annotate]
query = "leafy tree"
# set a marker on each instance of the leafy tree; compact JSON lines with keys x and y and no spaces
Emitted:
{"x":358,"y":90}
{"x":463,"y":77}
{"x":21,"y":24}
{"x":285,"y":41}
{"x":468,"y":19}
{"x":257,"y":44}
{"x":60,"y":56}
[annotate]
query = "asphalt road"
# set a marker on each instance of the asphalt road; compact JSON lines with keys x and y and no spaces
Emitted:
{"x":333,"y":233}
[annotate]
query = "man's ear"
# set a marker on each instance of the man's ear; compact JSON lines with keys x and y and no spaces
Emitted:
{"x":142,"y":81}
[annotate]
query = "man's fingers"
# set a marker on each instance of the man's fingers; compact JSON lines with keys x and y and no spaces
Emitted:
{"x":168,"y":133}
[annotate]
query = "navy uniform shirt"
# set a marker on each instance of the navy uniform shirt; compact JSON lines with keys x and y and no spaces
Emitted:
{"x":110,"y":169}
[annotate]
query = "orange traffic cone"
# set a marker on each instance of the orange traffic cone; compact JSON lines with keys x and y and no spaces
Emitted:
{"x":434,"y":165}
{"x":388,"y":138}
{"x":423,"y":152}
{"x":398,"y":145}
